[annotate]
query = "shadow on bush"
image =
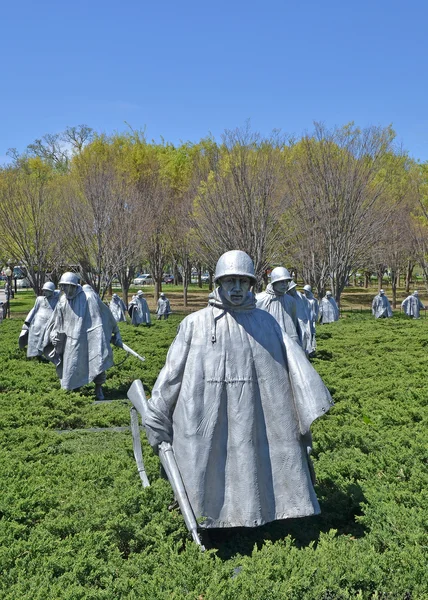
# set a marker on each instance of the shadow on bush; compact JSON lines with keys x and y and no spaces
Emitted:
{"x":324,"y":355}
{"x":338,"y":511}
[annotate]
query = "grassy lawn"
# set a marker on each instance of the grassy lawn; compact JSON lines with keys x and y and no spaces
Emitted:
{"x":76,"y":523}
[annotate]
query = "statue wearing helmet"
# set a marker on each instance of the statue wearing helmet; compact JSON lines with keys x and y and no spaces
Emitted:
{"x":329,"y":311}
{"x":33,"y":330}
{"x":78,"y":336}
{"x":381,"y":308}
{"x":313,"y":310}
{"x":118,"y":308}
{"x":278,"y":303}
{"x":139,"y":310}
{"x":236,"y":399}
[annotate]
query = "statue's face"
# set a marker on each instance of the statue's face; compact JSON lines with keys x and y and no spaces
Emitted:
{"x":235,"y":288}
{"x":47,"y":293}
{"x":69,"y":290}
{"x":280,"y":287}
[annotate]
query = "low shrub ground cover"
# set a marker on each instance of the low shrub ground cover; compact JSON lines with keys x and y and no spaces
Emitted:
{"x":76,"y":523}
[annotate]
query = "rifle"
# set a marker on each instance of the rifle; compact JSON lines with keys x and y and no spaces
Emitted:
{"x":166,"y":455}
{"x":131,"y":351}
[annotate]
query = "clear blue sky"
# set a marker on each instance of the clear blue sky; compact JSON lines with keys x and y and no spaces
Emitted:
{"x":184,"y":69}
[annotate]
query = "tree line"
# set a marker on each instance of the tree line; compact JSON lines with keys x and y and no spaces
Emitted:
{"x":328,"y":204}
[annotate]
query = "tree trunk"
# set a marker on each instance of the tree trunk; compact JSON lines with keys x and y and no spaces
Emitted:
{"x":409,"y":272}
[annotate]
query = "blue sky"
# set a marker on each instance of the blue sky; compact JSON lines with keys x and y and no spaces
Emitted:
{"x":182,"y":70}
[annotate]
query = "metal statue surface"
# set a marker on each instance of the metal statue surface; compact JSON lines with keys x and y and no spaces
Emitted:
{"x":138,"y":309}
{"x":235,"y":400}
{"x":304,"y":326}
{"x":313,"y":310}
{"x":118,"y":308}
{"x":381,"y":308}
{"x":328,"y":311}
{"x":412,"y":305}
{"x":164,"y":307}
{"x":78,"y":336}
{"x":36,"y":321}
{"x":278,"y":303}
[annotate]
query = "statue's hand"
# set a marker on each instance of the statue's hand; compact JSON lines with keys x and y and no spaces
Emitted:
{"x":116,"y":339}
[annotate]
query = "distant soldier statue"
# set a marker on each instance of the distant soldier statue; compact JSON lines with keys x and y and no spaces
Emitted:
{"x":78,"y":336}
{"x":304,"y":328}
{"x":329,"y":311}
{"x":164,"y":308}
{"x":381,"y":308}
{"x":412,"y":305}
{"x":33,"y":330}
{"x":278,"y":303}
{"x":236,"y":399}
{"x":313,"y":310}
{"x":138,"y":310}
{"x":118,"y":308}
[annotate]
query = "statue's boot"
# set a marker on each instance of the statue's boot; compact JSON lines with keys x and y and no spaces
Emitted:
{"x":99,"y":391}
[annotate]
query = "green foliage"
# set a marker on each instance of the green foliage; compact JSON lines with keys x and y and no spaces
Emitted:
{"x":75,"y":522}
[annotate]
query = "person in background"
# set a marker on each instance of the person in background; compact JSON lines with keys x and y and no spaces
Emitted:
{"x":381,"y":309}
{"x":138,"y":310}
{"x":118,"y":308}
{"x":412,"y":305}
{"x":78,"y":336}
{"x":329,"y":311}
{"x":33,"y":330}
{"x":164,"y":308}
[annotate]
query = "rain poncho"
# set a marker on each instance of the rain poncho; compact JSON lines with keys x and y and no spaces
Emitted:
{"x":139,"y":310}
{"x":381,"y":307}
{"x":234,"y":400}
{"x":81,"y":328}
{"x":282,"y":307}
{"x":118,"y":308}
{"x":37,"y":321}
{"x":412,"y":305}
{"x":329,"y":310}
{"x":164,"y":307}
{"x":304,"y":326}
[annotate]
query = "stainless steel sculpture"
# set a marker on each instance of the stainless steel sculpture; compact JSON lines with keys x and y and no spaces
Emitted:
{"x":304,"y":327}
{"x":381,"y":308}
{"x":278,"y":303}
{"x":329,"y":311}
{"x":36,"y":321}
{"x":412,"y":305}
{"x":313,"y":310}
{"x":164,"y":308}
{"x":78,"y":336}
{"x":235,"y":400}
{"x":139,"y":310}
{"x":118,"y":308}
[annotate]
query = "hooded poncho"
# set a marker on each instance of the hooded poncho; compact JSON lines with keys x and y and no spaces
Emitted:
{"x":139,"y":310}
{"x":381,"y":307}
{"x":304,"y":327}
{"x":118,"y":308}
{"x":412,"y":305}
{"x":329,"y":310}
{"x":282,"y":307}
{"x":235,"y":402}
{"x":84,"y":325}
{"x":37,"y":321}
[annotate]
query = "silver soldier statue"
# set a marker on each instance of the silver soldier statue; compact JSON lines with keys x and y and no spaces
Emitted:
{"x":33,"y":330}
{"x":313,"y":310}
{"x":118,"y":308}
{"x":78,"y":336}
{"x":304,"y":327}
{"x":412,"y":305}
{"x":138,"y":310}
{"x":236,"y":399}
{"x":164,"y":308}
{"x":381,"y":308}
{"x":278,"y":303}
{"x":329,"y":311}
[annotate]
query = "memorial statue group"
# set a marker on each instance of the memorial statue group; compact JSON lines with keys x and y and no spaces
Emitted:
{"x":231,"y":410}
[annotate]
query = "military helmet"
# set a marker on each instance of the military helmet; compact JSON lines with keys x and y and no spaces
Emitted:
{"x":328,"y":293}
{"x":49,"y":286}
{"x":236,"y":263}
{"x":69,"y":279}
{"x":140,"y":293}
{"x":292,"y":285}
{"x":307,"y":288}
{"x":280,"y":274}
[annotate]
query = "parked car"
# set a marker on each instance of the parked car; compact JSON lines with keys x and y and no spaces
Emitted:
{"x":168,"y":279}
{"x":23,"y":283}
{"x":205,"y":278}
{"x":144,"y":279}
